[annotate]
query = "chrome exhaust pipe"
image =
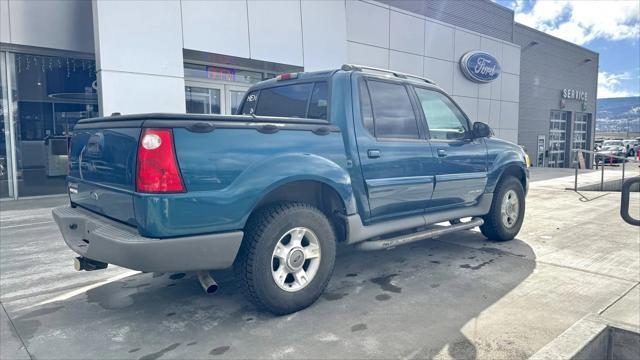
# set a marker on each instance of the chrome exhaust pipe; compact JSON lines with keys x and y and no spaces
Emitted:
{"x":206,"y":281}
{"x":82,"y":263}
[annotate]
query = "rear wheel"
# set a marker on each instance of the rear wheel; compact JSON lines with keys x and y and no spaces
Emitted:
{"x":287,"y":257}
{"x":507,"y":211}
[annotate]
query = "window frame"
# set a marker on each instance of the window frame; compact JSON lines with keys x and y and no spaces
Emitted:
{"x":291,"y":83}
{"x":469,"y":125}
{"x":422,"y":131}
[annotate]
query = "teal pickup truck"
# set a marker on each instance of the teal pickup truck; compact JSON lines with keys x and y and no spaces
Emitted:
{"x":356,"y":155}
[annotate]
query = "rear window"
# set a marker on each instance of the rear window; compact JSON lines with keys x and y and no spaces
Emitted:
{"x":308,"y":100}
{"x":285,"y":101}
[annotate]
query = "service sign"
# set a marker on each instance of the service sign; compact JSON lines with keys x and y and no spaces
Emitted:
{"x":480,"y":66}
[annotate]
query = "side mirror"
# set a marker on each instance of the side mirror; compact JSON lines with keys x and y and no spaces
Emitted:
{"x":481,"y":130}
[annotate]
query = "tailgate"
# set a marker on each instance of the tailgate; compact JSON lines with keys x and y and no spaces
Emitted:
{"x":102,"y":165}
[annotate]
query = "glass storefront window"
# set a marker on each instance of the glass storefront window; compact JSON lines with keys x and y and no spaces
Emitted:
{"x":202,"y":100}
{"x":5,"y":150}
{"x":52,"y":94}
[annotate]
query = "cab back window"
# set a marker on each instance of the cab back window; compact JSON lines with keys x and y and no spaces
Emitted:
{"x":307,"y":100}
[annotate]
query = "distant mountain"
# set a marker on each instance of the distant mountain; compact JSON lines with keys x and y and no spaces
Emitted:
{"x":615,"y":114}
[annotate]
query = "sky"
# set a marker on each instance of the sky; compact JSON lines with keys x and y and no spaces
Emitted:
{"x":609,"y":27}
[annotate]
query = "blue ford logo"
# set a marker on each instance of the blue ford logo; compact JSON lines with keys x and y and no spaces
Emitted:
{"x":479,"y":66}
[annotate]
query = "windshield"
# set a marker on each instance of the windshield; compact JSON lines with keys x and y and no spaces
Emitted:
{"x":612,"y":143}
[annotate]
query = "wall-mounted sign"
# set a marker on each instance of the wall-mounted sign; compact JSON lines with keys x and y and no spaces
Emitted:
{"x":220,"y":73}
{"x":479,"y":66}
{"x":572,"y":94}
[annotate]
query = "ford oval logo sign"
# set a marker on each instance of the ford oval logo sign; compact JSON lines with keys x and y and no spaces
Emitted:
{"x":479,"y":66}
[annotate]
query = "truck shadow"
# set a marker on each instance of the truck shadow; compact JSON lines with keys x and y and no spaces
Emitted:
{"x":412,"y":301}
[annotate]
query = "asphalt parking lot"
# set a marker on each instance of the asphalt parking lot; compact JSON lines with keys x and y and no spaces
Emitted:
{"x":458,"y":296}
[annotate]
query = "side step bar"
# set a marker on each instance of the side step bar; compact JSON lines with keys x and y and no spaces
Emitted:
{"x":372,"y":245}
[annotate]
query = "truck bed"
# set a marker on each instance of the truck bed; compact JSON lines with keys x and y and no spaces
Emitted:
{"x":225,"y":161}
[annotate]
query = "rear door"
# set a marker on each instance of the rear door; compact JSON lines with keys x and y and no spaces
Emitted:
{"x":461,"y":166}
{"x":395,"y":157}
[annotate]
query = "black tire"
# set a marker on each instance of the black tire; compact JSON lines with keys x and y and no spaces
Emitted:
{"x":494,"y":227}
{"x":254,"y":262}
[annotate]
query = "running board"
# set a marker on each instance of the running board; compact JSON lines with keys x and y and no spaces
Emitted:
{"x":372,"y":245}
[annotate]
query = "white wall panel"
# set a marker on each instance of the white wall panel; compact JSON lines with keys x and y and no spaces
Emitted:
{"x":139,"y":36}
{"x":139,"y":56}
{"x":130,"y":93}
{"x":440,"y":71}
{"x":275,"y":31}
{"x":463,"y":86}
{"x":511,"y":59}
{"x":509,"y":135}
{"x":494,"y":114}
{"x":484,"y":110}
{"x":59,"y":24}
{"x":468,"y":105}
{"x":219,"y":27}
{"x":367,"y":23}
{"x":508,"y":115}
{"x":439,"y":41}
{"x":406,"y":33}
{"x":403,"y":62}
{"x":367,"y":55}
{"x":484,"y":89}
{"x":510,"y":87}
{"x":493,"y":47}
{"x":324,"y":46}
{"x":465,"y":42}
{"x":496,"y":88}
{"x":4,"y":22}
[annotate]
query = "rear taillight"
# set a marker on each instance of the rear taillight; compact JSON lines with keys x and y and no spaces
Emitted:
{"x":158,"y":170}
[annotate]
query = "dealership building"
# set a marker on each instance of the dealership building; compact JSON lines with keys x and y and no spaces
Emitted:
{"x":64,"y":60}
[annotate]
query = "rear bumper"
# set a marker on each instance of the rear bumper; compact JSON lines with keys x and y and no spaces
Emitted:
{"x":98,"y":238}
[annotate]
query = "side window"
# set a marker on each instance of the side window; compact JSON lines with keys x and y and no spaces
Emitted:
{"x":445,"y":120}
{"x":393,"y":115}
{"x":284,"y":101}
{"x":319,"y":102}
{"x":365,"y":107}
{"x":249,"y":106}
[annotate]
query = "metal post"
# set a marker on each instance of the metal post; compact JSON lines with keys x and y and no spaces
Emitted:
{"x":602,"y":177}
{"x":624,"y":162}
{"x":577,"y":164}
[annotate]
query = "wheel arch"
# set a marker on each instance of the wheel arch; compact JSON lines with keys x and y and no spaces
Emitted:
{"x":320,"y":193}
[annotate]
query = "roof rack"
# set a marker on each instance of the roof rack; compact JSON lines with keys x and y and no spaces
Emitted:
{"x":401,"y":75}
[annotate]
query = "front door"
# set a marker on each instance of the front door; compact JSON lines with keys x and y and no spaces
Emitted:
{"x":580,"y":135}
{"x":557,"y":138}
{"x":213,"y":98}
{"x":461,"y":167}
{"x":395,"y":157}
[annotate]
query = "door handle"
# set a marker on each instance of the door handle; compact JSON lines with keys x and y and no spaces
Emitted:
{"x":442,"y":153}
{"x":374,"y":153}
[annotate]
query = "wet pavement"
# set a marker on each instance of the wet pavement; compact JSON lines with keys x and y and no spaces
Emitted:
{"x":458,"y":296}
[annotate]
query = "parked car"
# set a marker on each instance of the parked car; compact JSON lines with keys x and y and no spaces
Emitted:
{"x":631,"y":147}
{"x":355,"y":155}
{"x":609,"y":151}
{"x":612,"y":143}
{"x":597,"y":144}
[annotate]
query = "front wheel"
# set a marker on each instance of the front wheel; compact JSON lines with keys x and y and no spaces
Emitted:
{"x":507,"y":211}
{"x":287,"y":257}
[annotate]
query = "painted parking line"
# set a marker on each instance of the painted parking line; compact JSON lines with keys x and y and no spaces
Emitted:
{"x":23,"y":225}
{"x":83,"y":289}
